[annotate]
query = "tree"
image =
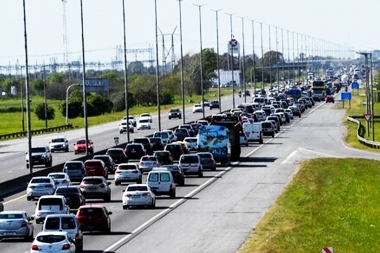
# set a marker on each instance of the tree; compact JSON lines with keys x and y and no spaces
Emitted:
{"x":144,"y":89}
{"x":55,"y":78}
{"x":8,"y":83}
{"x":38,"y":86}
{"x":40,"y":112}
{"x":271,"y":58}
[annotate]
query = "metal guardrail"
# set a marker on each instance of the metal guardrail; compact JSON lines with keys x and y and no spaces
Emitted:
{"x":362,"y":140}
{"x":35,"y":132}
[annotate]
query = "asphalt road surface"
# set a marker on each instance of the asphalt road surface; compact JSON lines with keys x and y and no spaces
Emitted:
{"x":215,"y":213}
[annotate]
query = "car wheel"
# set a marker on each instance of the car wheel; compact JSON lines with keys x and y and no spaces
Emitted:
{"x":125,"y":207}
{"x":180,"y":117}
{"x":153,"y":205}
{"x":28,"y":198}
{"x":182,"y":183}
{"x":169,"y":118}
{"x":261,"y":141}
{"x":108,"y":198}
{"x":272,"y":135}
{"x":172,"y":194}
{"x":139,"y":181}
{"x":67,"y":150}
{"x":117,"y":183}
{"x":246,"y":144}
{"x":200,"y":173}
{"x":79,"y":248}
{"x":108,"y":231}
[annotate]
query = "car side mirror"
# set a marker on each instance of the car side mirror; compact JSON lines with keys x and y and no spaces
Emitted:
{"x":31,"y":218}
{"x":123,"y":191}
{"x":109,"y":183}
{"x":109,"y":213}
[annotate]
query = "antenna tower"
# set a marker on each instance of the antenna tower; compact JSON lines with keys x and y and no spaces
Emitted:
{"x":65,"y":39}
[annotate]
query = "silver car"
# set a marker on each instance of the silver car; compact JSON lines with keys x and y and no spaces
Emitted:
{"x":39,"y":186}
{"x":16,"y":224}
{"x":75,"y":170}
{"x":96,"y":187}
{"x":60,"y":179}
{"x":147,"y":163}
{"x":138,"y":195}
{"x":128,"y":172}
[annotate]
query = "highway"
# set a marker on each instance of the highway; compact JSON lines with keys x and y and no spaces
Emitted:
{"x":215,"y":213}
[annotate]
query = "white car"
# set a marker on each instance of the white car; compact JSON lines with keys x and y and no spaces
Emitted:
{"x":197,"y":108}
{"x":146,"y":116}
{"x":143,"y":124}
{"x":128,"y":172}
{"x":123,"y":127}
{"x":138,"y":195}
{"x":165,"y":137}
{"x":60,"y":178}
{"x":59,"y":144}
{"x":191,"y":143}
{"x":53,"y":242}
{"x":132,"y":120}
{"x":172,"y":135}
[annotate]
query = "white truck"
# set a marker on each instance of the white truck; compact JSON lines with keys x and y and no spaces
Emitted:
{"x":253,"y":131}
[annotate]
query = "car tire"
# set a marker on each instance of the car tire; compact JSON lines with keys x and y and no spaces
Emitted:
{"x":172,"y":194}
{"x":246,"y":144}
{"x":125,"y":207}
{"x":108,"y":198}
{"x":182,"y":183}
{"x":79,"y":248}
{"x":28,"y":198}
{"x":108,"y":231}
{"x":153,"y":205}
{"x":200,"y":173}
{"x":117,"y":183}
{"x":139,"y":181}
{"x":180,"y":117}
{"x":170,"y":118}
{"x":272,"y":135}
{"x":67,"y":150}
{"x":261,"y":140}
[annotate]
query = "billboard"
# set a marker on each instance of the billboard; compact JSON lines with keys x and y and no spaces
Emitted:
{"x":97,"y":85}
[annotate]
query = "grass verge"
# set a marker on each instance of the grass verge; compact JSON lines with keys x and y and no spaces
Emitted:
{"x":330,"y":202}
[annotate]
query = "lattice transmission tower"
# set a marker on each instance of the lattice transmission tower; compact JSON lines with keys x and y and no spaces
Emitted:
{"x":65,"y":37}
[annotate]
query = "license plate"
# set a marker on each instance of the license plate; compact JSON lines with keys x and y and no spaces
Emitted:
{"x":9,"y":233}
{"x":136,"y":196}
{"x":133,"y":151}
{"x":91,"y":188}
{"x":90,"y":227}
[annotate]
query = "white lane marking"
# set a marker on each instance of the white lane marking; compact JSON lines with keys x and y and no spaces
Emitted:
{"x":289,"y":157}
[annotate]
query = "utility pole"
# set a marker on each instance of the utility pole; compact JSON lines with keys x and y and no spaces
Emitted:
{"x":201,"y":57}
{"x":217,"y":58}
{"x":232,"y":64}
{"x":182,"y":82}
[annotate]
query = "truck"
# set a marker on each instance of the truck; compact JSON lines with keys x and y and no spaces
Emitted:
{"x":294,"y":93}
{"x":319,"y":89}
{"x":221,"y":138}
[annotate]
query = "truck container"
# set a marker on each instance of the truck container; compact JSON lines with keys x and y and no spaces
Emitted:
{"x":221,"y":138}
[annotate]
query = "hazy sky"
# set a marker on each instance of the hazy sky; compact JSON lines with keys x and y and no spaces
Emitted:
{"x":345,"y":24}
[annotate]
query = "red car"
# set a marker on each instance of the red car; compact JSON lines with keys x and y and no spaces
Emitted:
{"x":96,"y":167}
{"x":330,"y":99}
{"x":94,"y":218}
{"x":80,"y":146}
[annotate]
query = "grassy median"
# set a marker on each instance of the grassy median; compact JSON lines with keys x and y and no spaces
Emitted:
{"x":329,"y":202}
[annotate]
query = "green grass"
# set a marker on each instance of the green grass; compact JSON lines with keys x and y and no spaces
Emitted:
{"x":330,"y":202}
{"x":13,"y":122}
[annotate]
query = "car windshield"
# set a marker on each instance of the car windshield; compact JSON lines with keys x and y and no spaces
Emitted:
{"x":67,"y":190}
{"x":92,"y":181}
{"x":137,"y":188}
{"x":143,"y":121}
{"x":51,"y":238}
{"x":40,"y":180}
{"x":83,"y":141}
{"x":58,"y":140}
{"x":127,"y":167}
{"x":73,"y":166}
{"x":57,"y":176}
{"x":38,"y":150}
{"x":148,"y":158}
{"x":115,"y":152}
{"x":189,"y":159}
{"x":205,"y":155}
{"x":91,"y":211}
{"x":9,"y":216}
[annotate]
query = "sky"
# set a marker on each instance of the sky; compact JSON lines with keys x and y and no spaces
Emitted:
{"x":329,"y":25}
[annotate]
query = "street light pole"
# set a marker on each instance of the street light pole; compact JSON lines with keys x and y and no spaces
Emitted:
{"x":262,"y":56}
{"x":157,"y":69}
{"x":182,"y":81}
{"x":232,"y":63}
{"x":217,"y":58}
{"x":84,"y":82}
{"x":253,"y":58}
{"x":243,"y":61}
{"x":27,"y":94}
{"x":270,"y":58}
{"x":67,"y":102}
{"x":201,"y":57}
{"x":125,"y":73}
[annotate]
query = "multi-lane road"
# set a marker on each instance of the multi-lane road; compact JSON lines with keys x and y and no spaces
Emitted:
{"x":215,"y":213}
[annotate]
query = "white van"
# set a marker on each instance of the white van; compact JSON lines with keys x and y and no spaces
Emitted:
{"x":50,"y":204}
{"x":253,"y":131}
{"x":161,"y":182}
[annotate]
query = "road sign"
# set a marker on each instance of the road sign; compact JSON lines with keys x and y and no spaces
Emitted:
{"x":355,"y":85}
{"x":233,"y":43}
{"x":345,"y":95}
{"x":327,"y":250}
{"x":367,"y":117}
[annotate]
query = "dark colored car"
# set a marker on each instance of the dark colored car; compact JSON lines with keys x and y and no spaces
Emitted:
{"x":188,"y":128}
{"x":135,"y":151}
{"x":177,"y":172}
{"x":175,"y":150}
{"x":296,"y":111}
{"x":156,"y":143}
{"x":117,"y":155}
{"x":268,"y":129}
{"x":207,"y":160}
{"x":181,"y":133}
{"x":146,"y":142}
{"x":108,"y":161}
{"x":214,"y":104}
{"x":73,"y":196}
{"x":164,"y":157}
{"x":330,"y":99}
{"x":94,"y":218}
{"x":175,"y":113}
{"x":75,"y":169}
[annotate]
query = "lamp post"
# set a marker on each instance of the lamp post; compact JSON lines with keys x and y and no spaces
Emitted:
{"x":201,"y":57}
{"x":232,"y":64}
{"x":84,"y":82}
{"x":369,"y":97}
{"x":277,"y":70}
{"x":67,"y":102}
{"x":270,"y":58}
{"x":217,"y":58}
{"x":45,"y":105}
{"x":29,"y":125}
{"x":243,"y":61}
{"x":125,"y":73}
{"x":253,"y":58}
{"x":182,"y":82}
{"x":262,"y":56}
{"x":157,"y":69}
